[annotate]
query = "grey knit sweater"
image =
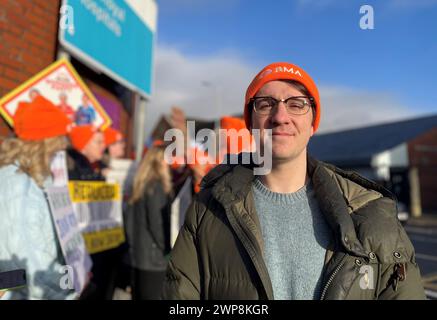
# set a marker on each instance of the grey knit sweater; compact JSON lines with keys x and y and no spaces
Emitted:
{"x":296,"y":236}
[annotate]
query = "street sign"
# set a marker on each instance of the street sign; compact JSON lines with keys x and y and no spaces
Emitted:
{"x":114,"y":37}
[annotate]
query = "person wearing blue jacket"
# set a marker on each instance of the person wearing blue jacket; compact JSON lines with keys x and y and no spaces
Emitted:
{"x":28,"y":238}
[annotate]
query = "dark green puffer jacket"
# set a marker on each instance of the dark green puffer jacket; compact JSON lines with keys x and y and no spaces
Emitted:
{"x":219,"y":251}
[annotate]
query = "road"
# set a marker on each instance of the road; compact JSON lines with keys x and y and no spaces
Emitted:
{"x":423,"y":235}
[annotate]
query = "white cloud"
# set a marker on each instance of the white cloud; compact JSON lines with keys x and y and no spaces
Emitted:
{"x":346,"y":108}
{"x":178,"y":82}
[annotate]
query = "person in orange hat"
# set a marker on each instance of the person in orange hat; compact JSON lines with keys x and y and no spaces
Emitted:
{"x":114,"y":142}
{"x":299,"y":229}
{"x":244,"y":140}
{"x":84,"y":163}
{"x":115,"y":149}
{"x":87,"y":150}
{"x":115,"y":146}
{"x":27,"y":234}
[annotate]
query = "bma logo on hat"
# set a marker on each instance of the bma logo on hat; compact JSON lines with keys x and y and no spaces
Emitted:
{"x":279,"y":69}
{"x":285,"y":69}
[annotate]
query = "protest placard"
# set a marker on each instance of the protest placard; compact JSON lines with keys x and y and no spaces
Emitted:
{"x":62,"y":85}
{"x":98,"y":208}
{"x":122,"y":171}
{"x":69,"y":236}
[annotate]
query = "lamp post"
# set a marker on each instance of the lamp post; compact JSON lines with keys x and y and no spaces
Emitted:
{"x":217,"y":96}
{"x":217,"y":92}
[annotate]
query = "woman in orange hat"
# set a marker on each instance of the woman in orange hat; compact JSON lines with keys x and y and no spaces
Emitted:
{"x":115,"y":146}
{"x":84,"y":164}
{"x":115,"y":143}
{"x":27,"y":235}
{"x":87,"y":152}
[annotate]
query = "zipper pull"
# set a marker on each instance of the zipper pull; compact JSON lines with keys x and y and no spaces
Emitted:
{"x":400,"y":274}
{"x":402,"y":271}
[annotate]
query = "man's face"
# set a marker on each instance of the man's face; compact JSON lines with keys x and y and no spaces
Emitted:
{"x":290,"y":133}
{"x":94,"y":148}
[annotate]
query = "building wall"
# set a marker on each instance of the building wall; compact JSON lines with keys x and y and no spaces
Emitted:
{"x":423,"y":155}
{"x":28,"y":42}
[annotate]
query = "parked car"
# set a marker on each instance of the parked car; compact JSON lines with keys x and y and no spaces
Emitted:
{"x":403,"y":214}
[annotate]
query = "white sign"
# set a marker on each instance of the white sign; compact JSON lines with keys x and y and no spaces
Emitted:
{"x":122,"y":171}
{"x":58,"y":168}
{"x":178,"y":209}
{"x":69,"y":235}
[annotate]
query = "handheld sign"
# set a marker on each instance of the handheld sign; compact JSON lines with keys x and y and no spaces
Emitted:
{"x":62,"y":85}
{"x":69,"y":235}
{"x":98,"y":206}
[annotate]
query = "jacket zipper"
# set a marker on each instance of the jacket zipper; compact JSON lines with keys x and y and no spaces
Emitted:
{"x":331,"y":278}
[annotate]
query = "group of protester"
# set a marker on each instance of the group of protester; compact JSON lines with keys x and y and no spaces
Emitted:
{"x":28,"y":235}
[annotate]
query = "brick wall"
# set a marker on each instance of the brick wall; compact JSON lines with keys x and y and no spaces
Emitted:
{"x":28,"y":37}
{"x":423,"y":155}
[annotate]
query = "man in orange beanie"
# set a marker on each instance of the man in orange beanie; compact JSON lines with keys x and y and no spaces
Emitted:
{"x":304,"y":230}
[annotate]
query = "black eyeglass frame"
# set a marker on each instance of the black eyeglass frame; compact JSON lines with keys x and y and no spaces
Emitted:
{"x":253,"y":100}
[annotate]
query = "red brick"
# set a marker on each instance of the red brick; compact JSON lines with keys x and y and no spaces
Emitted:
{"x":33,"y":69}
{"x":8,"y":84}
{"x":15,"y":75}
{"x":35,"y":40}
{"x":17,"y":19}
{"x":13,"y":41}
{"x":34,"y":20}
{"x":45,"y":14}
{"x":13,"y":6}
{"x":6,"y":60}
{"x":14,"y":31}
{"x":51,"y":6}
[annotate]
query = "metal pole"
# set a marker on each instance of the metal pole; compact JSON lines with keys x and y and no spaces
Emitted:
{"x":62,"y":54}
{"x":139,"y":126}
{"x":415,"y":203}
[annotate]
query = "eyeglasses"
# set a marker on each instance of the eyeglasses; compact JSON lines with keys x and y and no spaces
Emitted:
{"x":298,"y":105}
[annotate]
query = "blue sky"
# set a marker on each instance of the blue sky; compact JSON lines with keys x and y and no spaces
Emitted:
{"x":395,"y":62}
